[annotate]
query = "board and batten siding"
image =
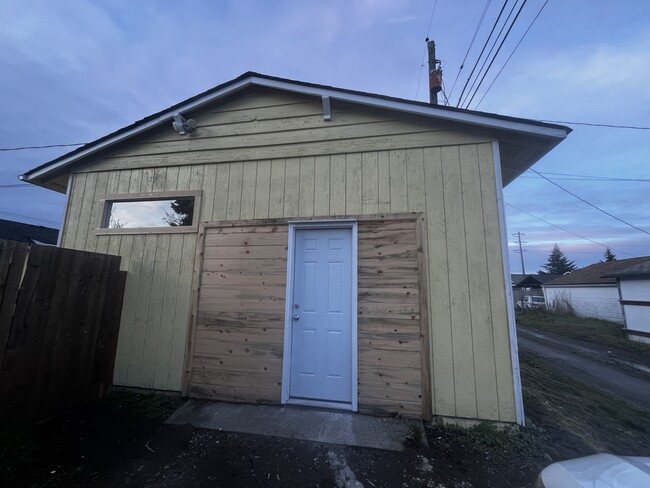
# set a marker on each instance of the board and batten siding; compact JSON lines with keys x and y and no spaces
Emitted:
{"x":272,"y":156}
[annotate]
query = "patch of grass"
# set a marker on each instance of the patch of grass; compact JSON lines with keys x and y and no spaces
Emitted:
{"x":564,"y":419}
{"x":148,"y":405}
{"x":497,"y":443}
{"x":577,"y":419}
{"x":587,"y":329}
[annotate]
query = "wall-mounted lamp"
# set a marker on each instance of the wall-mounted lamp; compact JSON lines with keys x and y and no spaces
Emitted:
{"x":183,"y":126}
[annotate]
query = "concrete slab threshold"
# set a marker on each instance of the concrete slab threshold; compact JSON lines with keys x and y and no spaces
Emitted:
{"x":292,"y":422}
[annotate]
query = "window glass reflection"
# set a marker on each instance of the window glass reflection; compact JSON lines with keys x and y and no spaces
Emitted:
{"x":150,"y":213}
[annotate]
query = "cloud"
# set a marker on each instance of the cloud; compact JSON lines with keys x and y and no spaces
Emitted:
{"x":605,"y":81}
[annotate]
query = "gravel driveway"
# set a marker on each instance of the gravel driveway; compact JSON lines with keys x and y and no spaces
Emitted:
{"x":623,"y":374}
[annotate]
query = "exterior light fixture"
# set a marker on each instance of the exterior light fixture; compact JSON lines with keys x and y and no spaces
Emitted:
{"x":183,"y":126}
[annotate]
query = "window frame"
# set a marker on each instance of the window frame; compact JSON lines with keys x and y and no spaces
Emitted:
{"x":106,"y":201}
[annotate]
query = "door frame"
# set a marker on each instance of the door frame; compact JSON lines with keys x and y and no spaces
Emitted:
{"x":288,"y":312}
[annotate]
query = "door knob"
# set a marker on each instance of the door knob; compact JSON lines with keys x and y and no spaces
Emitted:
{"x":296,"y":317}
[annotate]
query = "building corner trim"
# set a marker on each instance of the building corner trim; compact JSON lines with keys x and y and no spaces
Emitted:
{"x":68,"y":192}
{"x":512,"y":326}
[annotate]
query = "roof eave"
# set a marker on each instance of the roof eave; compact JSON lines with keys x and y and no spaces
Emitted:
{"x":554,"y":134}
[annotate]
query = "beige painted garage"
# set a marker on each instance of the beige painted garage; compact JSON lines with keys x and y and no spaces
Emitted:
{"x":269,"y":152}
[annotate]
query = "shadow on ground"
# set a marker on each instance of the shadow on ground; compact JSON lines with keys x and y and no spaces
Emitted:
{"x":124,"y":442}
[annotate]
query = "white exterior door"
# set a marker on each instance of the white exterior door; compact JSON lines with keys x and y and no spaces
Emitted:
{"x":321,"y":318}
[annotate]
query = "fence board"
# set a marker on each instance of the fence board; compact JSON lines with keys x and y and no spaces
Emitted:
{"x":59,"y":319}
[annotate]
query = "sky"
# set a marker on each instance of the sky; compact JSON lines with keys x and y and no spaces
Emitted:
{"x":73,"y":71}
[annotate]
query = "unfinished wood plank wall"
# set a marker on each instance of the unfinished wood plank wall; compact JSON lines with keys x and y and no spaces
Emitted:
{"x":239,"y":329}
{"x":362,"y":162}
{"x":389,"y":336}
{"x":238,"y":341}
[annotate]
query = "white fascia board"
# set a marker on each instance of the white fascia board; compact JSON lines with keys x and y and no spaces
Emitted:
{"x":166,"y":116}
{"x":472,"y":119}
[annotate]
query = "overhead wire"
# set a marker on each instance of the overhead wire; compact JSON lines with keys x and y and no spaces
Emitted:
{"x":489,"y":54}
{"x":590,"y":204}
{"x":22,"y":148}
{"x":514,"y":21}
{"x":478,"y":26}
{"x":607,"y":178}
{"x":29,"y":217}
{"x":549,"y":235}
{"x":566,"y":230}
{"x":590,"y":124}
{"x":599,"y":180}
{"x":496,"y":22}
{"x":511,"y":54}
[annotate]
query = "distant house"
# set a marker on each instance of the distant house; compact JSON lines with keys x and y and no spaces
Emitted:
{"x":294,"y":243}
{"x":634,"y":290}
{"x":34,"y":234}
{"x":591,"y":291}
{"x":529,"y":285}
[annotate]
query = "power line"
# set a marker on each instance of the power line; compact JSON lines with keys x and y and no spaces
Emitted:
{"x":595,"y":176}
{"x":513,"y":52}
{"x":546,"y":251}
{"x":578,"y":176}
{"x":565,"y":230}
{"x":602,"y":180}
{"x":41,"y":147}
{"x":590,"y":124}
{"x":18,"y":185}
{"x":546,"y":235}
{"x":514,"y":21}
{"x":590,"y":204}
{"x":425,"y":49}
{"x":28,"y":217}
{"x":494,"y":43}
{"x":494,"y":26}
{"x":478,"y":26}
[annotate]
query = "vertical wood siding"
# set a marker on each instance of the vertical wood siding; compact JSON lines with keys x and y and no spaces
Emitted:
{"x":271,"y":157}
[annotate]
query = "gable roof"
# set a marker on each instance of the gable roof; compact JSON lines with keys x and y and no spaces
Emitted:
{"x":35,"y":234}
{"x":636,"y":270}
{"x":599,"y":273}
{"x":549,"y":135}
{"x":532,"y":279}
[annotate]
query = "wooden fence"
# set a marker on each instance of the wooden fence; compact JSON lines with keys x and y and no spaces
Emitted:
{"x":59,"y":320}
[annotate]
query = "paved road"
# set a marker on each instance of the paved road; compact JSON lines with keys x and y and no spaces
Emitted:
{"x":611,"y":371}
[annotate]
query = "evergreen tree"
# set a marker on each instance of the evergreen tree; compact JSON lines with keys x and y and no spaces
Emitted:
{"x":558,"y":263}
{"x":182,"y":211}
{"x":609,"y":255}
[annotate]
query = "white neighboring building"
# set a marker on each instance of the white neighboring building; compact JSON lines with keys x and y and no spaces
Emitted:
{"x":592,"y":291}
{"x":634,"y":289}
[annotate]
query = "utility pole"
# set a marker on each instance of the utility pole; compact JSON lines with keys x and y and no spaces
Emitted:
{"x":435,"y":73}
{"x":521,"y":251}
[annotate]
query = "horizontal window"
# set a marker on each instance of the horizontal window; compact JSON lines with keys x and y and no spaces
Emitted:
{"x":150,"y":213}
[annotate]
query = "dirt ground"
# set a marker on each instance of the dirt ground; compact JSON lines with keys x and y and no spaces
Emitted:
{"x":123,"y":442}
{"x":618,"y":372}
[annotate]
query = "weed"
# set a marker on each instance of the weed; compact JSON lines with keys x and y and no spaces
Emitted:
{"x":587,"y":329}
{"x":149,"y":405}
{"x":413,"y":438}
{"x":587,"y":420}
